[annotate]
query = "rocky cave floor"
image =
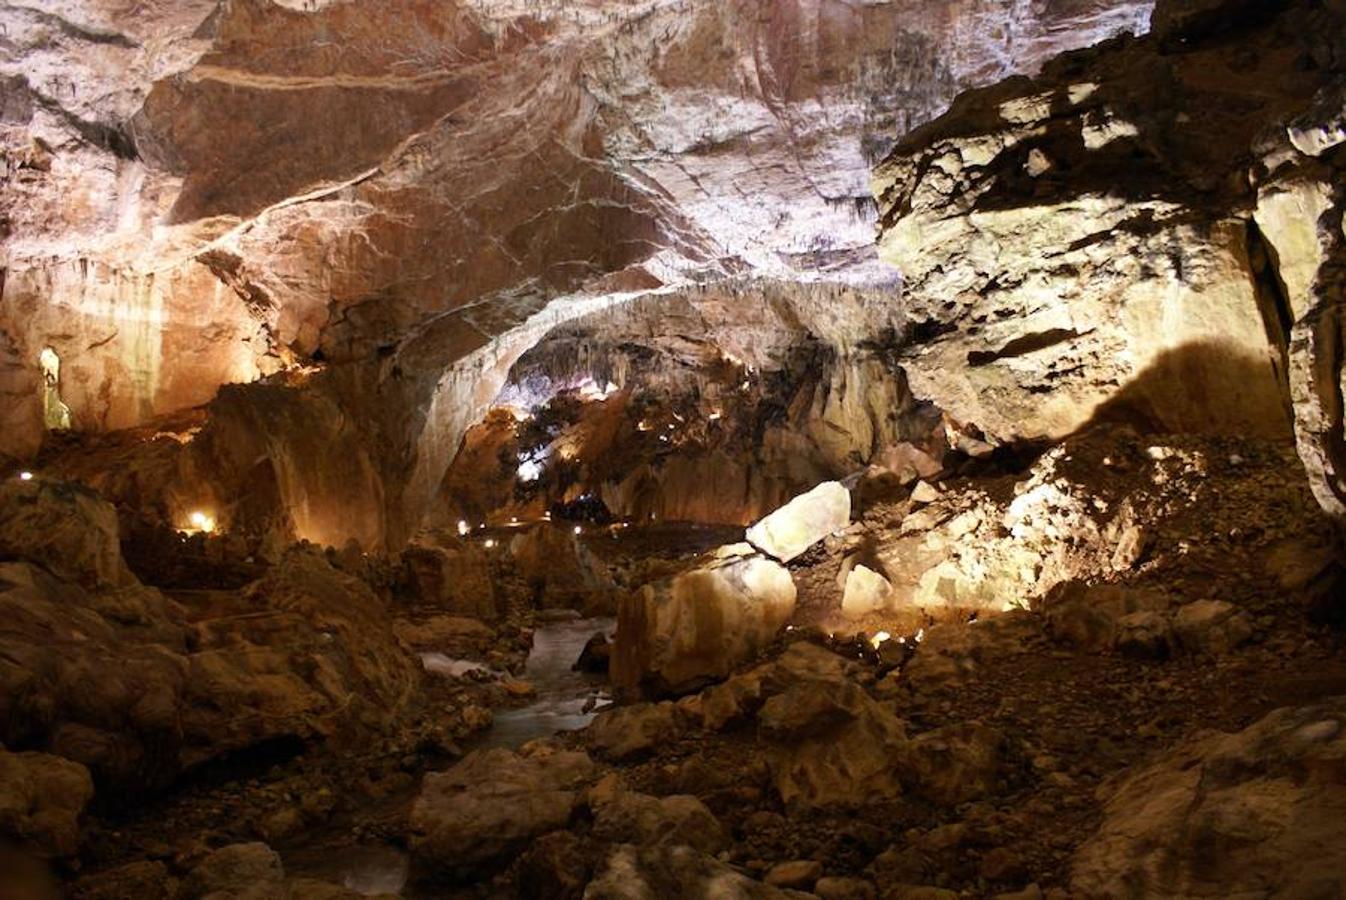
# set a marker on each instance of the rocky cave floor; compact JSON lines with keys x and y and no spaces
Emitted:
{"x":1018,"y":734}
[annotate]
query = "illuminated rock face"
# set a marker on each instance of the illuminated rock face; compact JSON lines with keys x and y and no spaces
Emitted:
{"x":675,"y":635}
{"x":413,"y":193}
{"x":803,"y":522}
{"x":1149,"y":231}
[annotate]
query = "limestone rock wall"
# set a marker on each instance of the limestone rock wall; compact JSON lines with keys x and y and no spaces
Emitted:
{"x":1148,"y":230}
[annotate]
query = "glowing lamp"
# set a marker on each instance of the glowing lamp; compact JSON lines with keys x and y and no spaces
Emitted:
{"x":201,"y":522}
{"x":490,"y":542}
{"x":579,"y":530}
{"x":463,"y":528}
{"x":25,"y":476}
{"x":879,"y":639}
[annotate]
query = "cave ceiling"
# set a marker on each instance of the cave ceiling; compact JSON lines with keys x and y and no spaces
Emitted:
{"x":200,"y":195}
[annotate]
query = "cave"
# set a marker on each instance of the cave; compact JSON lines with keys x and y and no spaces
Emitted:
{"x":610,"y":450}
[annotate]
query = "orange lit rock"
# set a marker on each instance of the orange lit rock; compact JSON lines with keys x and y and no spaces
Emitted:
{"x":676,"y":635}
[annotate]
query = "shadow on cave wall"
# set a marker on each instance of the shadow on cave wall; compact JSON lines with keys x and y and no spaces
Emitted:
{"x":1209,"y":388}
{"x":1203,"y":387}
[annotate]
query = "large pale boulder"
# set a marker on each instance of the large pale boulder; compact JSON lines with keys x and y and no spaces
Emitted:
{"x":41,"y":800}
{"x":677,"y":634}
{"x":477,"y":813}
{"x":866,"y":592}
{"x":803,"y":522}
{"x":1255,"y":813}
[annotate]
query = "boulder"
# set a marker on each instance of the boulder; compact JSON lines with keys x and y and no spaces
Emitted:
{"x":556,"y":867}
{"x":732,"y":702}
{"x":866,"y":592}
{"x":237,"y":872}
{"x":804,"y":661}
{"x":803,"y":522}
{"x":596,"y":657}
{"x":678,"y":634}
{"x":1211,"y":626}
{"x":1090,"y":616}
{"x":105,"y":691}
{"x":833,"y":887}
{"x":561,"y":571}
{"x":641,"y":873}
{"x":628,"y":731}
{"x":1146,"y":635}
{"x":308,"y":653}
{"x":830,"y":745}
{"x":798,"y":874}
{"x":625,"y":816}
{"x":477,"y":814}
{"x":118,"y":680}
{"x":41,"y":800}
{"x":454,"y":576}
{"x":909,"y":462}
{"x":956,"y":763}
{"x":808,"y":708}
{"x":64,"y":527}
{"x":924,"y":493}
{"x":1228,"y":815}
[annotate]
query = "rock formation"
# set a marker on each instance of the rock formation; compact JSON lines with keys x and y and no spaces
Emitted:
{"x":383,"y":282}
{"x":500,"y":448}
{"x":1145,"y":231}
{"x":676,"y":634}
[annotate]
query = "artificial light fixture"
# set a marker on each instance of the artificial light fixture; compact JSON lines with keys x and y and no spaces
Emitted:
{"x":25,"y":476}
